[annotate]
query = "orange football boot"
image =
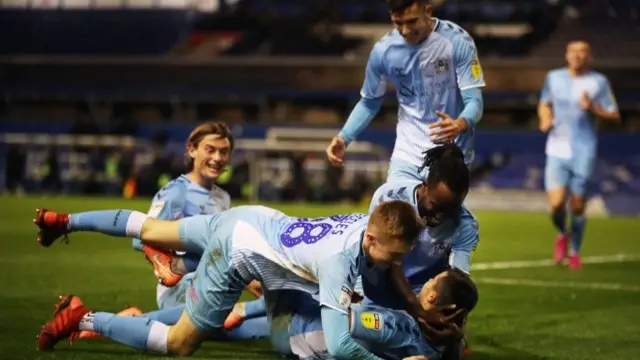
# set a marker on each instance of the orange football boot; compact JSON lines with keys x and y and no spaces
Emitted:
{"x":161,"y":261}
{"x":235,"y":317}
{"x":129,"y":311}
{"x":52,"y":226}
{"x":69,"y":312}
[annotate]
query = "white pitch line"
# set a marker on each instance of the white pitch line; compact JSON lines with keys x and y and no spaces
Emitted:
{"x":558,"y":284}
{"x":603,"y":259}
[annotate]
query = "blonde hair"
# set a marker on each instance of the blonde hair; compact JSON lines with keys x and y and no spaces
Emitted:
{"x":200,"y":132}
{"x":396,"y":220}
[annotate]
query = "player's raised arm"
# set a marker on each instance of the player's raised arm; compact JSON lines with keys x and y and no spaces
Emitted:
{"x":373,"y":89}
{"x":545,"y":111}
{"x":604,"y":105}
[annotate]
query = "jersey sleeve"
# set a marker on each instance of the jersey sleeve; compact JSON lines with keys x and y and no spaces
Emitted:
{"x":168,"y":204}
{"x":545,"y":93}
{"x":388,"y":192}
{"x":226,"y":201}
{"x":605,"y":98}
{"x":468,"y":69}
{"x":337,"y":278}
{"x":340,"y":344}
{"x":464,"y":243}
{"x":375,"y":80}
{"x":394,"y":331}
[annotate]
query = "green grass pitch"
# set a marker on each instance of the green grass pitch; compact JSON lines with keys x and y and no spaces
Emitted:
{"x":526,"y":312}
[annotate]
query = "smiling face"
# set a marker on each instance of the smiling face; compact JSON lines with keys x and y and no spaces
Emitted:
{"x":437,"y":203}
{"x":209,"y":150}
{"x":413,"y":22}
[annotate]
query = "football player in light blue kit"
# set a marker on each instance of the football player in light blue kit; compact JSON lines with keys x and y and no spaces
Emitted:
{"x":572,"y":99}
{"x":321,"y":256}
{"x":391,"y":334}
{"x":450,"y":236}
{"x":433,"y":65}
{"x":208,"y":152}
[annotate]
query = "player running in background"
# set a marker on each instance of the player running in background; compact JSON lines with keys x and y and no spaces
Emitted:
{"x":433,"y":65}
{"x":320,"y":256}
{"x":571,"y":100}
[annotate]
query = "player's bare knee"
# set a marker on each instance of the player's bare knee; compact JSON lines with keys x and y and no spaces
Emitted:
{"x":578,"y":205}
{"x":556,"y":199}
{"x":147,"y":228}
{"x":180,"y":344}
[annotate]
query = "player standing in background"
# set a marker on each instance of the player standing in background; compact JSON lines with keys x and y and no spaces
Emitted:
{"x":433,"y":65}
{"x":571,"y":100}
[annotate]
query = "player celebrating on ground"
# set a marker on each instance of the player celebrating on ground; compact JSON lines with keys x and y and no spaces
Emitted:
{"x":451,"y":232}
{"x":238,"y":246}
{"x":571,"y":100}
{"x":296,"y":327}
{"x":208,"y":152}
{"x":433,"y":65}
{"x":450,"y":236}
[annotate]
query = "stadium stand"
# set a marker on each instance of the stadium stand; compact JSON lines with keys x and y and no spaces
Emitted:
{"x":147,"y":92}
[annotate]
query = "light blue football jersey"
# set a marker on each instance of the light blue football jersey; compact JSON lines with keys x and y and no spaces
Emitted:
{"x":321,"y":256}
{"x":392,"y":334}
{"x":427,"y":77}
{"x":574,"y":130}
{"x":454,"y":239}
{"x":182,"y":198}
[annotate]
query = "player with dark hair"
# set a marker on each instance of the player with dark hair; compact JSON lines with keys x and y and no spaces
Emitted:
{"x":450,"y":236}
{"x":296,"y":329}
{"x":433,"y":65}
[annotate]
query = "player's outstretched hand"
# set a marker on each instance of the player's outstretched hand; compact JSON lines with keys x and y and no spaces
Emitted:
{"x":335,"y":151}
{"x":446,"y":129}
{"x":439,"y":327}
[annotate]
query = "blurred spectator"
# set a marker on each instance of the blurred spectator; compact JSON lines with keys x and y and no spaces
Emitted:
{"x":83,"y":126}
{"x":15,"y":168}
{"x":51,"y":181}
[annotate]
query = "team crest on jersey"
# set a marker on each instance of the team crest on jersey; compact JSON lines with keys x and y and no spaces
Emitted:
{"x":441,"y":65}
{"x":476,"y":69}
{"x":371,"y":320}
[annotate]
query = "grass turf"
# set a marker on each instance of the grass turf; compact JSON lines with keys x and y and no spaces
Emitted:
{"x":542,"y":312}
